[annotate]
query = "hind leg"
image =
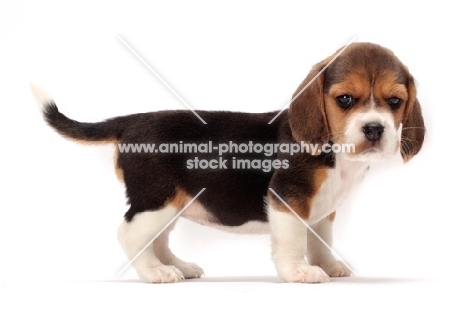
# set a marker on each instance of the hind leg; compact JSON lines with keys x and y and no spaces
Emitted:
{"x":165,"y":255}
{"x":134,"y":235}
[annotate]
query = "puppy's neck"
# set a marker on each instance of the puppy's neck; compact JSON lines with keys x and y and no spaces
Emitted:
{"x":349,"y":167}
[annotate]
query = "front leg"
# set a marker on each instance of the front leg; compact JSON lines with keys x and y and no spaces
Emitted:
{"x":289,"y":246}
{"x":319,"y":254}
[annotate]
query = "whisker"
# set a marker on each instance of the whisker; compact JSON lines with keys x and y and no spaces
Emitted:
{"x":336,"y":136}
{"x":413,"y":127}
{"x":407,"y":139}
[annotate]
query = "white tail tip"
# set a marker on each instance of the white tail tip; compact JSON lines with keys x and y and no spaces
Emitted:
{"x":43,"y":98}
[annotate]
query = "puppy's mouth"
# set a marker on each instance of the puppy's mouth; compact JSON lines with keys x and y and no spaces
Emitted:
{"x":371,"y":147}
{"x":367,"y":148}
{"x":370,"y":151}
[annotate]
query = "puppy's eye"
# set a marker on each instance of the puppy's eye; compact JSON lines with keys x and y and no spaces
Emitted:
{"x":345,"y":101}
{"x":394,"y":102}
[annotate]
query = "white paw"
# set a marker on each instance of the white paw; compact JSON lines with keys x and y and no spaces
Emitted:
{"x":303,"y":273}
{"x":161,"y":274}
{"x":190,"y":270}
{"x":335,"y":268}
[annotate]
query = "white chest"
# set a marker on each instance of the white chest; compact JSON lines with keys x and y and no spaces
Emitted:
{"x":339,"y":182}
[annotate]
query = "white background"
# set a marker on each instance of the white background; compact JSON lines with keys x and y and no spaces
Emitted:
{"x":403,"y":231}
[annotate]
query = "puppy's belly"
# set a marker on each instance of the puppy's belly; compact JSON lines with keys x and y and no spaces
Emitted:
{"x":198,"y":214}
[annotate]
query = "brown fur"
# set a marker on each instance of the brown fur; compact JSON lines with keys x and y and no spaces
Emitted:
{"x":180,"y":199}
{"x":307,"y":116}
{"x":413,"y":129}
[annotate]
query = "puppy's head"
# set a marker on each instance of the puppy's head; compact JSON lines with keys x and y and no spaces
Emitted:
{"x":365,"y":98}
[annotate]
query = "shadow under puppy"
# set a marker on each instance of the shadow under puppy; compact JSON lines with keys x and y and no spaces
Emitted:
{"x":365,"y":98}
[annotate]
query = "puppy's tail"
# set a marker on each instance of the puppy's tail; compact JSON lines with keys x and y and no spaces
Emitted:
{"x":106,"y":131}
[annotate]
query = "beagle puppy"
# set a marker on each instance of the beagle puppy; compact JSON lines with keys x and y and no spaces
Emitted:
{"x":365,"y":98}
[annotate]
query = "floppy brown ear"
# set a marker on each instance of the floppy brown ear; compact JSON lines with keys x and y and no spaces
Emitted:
{"x":307,"y":117}
{"x":413,"y":130}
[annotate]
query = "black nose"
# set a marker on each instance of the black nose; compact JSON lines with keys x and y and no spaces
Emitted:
{"x":373,"y":131}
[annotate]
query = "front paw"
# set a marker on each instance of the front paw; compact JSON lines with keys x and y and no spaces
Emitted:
{"x":302,"y":273}
{"x":190,"y":270}
{"x":160,"y":274}
{"x":335,"y":268}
